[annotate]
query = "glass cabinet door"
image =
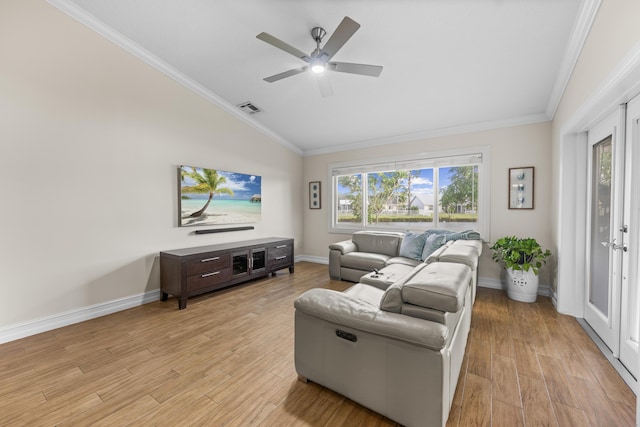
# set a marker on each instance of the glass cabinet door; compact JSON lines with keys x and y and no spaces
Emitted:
{"x":240,"y":263}
{"x":259,"y":259}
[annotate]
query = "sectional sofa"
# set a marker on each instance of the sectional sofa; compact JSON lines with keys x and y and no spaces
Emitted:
{"x":395,"y":254}
{"x":394,"y":342}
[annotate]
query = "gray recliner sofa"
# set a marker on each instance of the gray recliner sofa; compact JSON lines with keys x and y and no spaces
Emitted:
{"x":395,"y":341}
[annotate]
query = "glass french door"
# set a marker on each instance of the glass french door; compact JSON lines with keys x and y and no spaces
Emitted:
{"x":605,"y":182}
{"x":611,"y":297}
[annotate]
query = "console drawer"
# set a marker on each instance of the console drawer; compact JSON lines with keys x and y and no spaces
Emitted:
{"x":208,"y":278}
{"x":280,"y":256}
{"x":208,"y":262}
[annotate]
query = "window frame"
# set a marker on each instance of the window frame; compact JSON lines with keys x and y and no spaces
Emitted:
{"x":422,"y":160}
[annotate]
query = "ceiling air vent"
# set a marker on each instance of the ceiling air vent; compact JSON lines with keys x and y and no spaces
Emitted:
{"x":250,"y":108}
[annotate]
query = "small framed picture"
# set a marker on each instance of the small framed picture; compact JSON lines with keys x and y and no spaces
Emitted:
{"x":314,"y":195}
{"x":521,"y":188}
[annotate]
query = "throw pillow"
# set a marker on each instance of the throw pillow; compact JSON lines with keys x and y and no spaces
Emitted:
{"x":433,"y":242}
{"x":412,"y":245}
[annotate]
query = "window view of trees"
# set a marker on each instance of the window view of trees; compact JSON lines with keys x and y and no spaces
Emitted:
{"x":349,"y":199}
{"x":445,"y":197}
{"x":459,"y":198}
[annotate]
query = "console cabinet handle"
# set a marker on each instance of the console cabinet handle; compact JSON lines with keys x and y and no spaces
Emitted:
{"x":210,"y":274}
{"x":278,"y":258}
{"x":281,"y":246}
{"x":210,"y":259}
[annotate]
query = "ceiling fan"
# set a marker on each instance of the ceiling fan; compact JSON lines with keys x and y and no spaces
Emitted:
{"x":319,"y":60}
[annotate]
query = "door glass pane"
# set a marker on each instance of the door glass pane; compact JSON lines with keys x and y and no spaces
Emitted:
{"x":600,"y":224}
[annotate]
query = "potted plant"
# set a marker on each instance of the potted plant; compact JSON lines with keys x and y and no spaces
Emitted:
{"x":522,"y":258}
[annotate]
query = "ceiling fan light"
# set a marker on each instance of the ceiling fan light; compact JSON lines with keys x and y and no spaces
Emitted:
{"x":317,"y":67}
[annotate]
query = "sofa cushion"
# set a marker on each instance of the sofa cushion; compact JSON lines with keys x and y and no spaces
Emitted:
{"x":435,"y":255}
{"x":380,"y":242}
{"x":365,"y":261}
{"x":441,"y":286}
{"x":461,"y":254}
{"x":392,"y":297}
{"x":412,"y":245}
{"x":432,"y":243}
{"x":368,"y":294}
{"x":475,"y":244}
{"x":399,"y":260}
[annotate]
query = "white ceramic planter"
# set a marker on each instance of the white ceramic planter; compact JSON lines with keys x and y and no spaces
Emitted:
{"x":522,"y":285}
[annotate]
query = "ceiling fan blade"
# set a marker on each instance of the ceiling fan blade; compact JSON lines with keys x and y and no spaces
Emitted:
{"x":285,"y":74}
{"x":363,"y":69}
{"x":339,"y":37}
{"x":276,"y":42}
{"x":325,"y":85}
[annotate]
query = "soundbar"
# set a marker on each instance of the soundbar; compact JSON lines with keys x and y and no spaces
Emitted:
{"x":222,"y":230}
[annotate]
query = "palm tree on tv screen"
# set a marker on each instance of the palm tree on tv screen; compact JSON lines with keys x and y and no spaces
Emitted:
{"x":206,"y":182}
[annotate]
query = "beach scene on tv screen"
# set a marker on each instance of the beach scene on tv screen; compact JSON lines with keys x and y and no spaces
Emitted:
{"x":213,"y":196}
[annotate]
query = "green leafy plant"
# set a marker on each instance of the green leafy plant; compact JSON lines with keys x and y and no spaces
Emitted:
{"x":520,"y":253}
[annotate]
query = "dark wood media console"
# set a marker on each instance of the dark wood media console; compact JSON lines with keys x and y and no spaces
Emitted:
{"x":193,"y":271}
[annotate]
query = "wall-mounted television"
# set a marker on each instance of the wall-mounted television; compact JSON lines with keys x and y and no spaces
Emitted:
{"x":214,"y":196}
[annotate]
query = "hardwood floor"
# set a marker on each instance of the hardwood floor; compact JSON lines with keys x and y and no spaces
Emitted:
{"x":228,"y":360}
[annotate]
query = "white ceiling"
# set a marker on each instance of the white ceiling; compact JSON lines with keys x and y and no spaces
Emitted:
{"x":449,"y":65}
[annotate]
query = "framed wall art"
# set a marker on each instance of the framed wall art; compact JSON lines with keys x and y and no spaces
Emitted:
{"x":214,"y":196}
{"x":314,"y":195}
{"x":521,"y":187}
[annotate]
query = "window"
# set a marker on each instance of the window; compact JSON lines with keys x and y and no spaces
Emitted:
{"x":444,"y":190}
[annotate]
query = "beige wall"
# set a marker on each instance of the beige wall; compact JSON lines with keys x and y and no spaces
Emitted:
{"x":614,"y":33}
{"x":527,"y":145}
{"x":90,"y":141}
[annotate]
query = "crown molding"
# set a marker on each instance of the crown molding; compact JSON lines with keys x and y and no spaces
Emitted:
{"x":579,"y":34}
{"x":620,"y":86}
{"x":138,"y":51}
{"x":454,"y":130}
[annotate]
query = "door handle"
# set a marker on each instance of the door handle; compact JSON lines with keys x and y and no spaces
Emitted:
{"x":613,"y":245}
{"x":623,"y":247}
{"x":609,"y":244}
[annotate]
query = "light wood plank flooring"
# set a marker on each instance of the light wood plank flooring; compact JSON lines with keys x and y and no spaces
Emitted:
{"x":228,"y":360}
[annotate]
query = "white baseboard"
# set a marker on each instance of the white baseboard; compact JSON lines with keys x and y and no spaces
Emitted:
{"x":487,"y":282}
{"x":314,"y":259}
{"x":21,"y":330}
